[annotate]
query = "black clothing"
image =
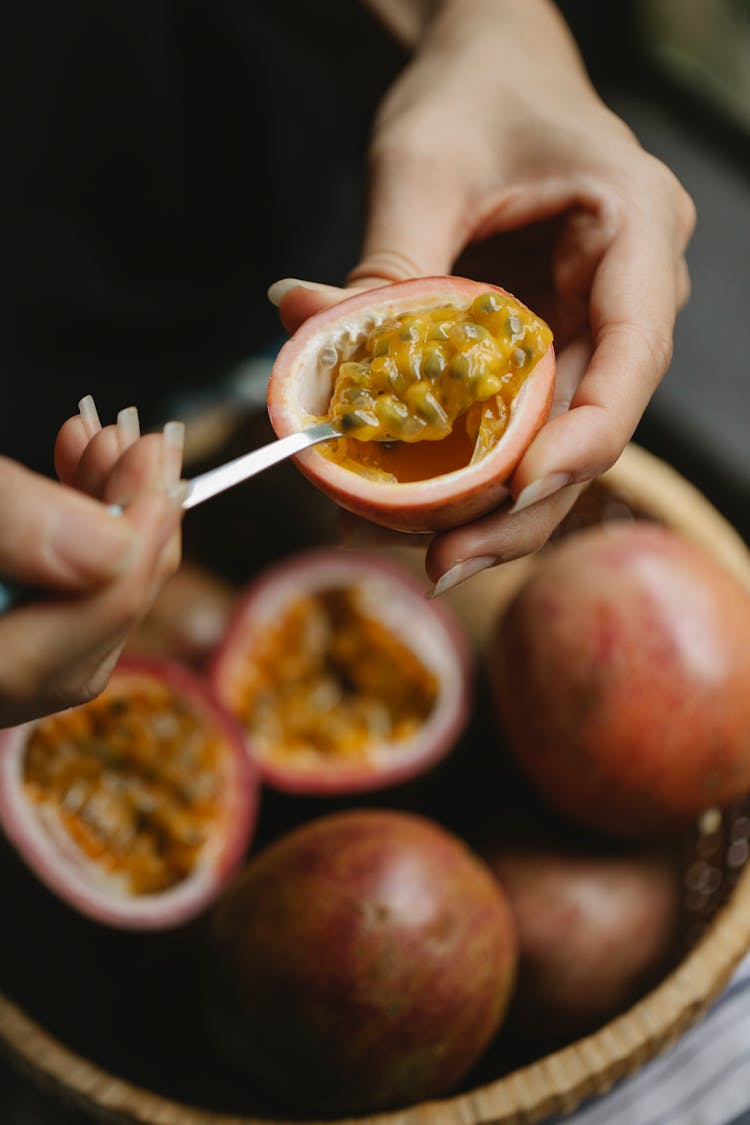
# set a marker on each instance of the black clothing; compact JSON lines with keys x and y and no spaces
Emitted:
{"x":163,"y":161}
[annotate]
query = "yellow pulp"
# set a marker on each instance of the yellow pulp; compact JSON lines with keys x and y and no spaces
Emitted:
{"x":328,"y":681}
{"x":429,"y":391}
{"x":132,"y":778}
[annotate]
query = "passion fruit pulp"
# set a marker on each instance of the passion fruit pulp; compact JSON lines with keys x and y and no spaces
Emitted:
{"x":344,"y":678}
{"x":438,"y":386}
{"x":364,"y":961}
{"x":135,"y":808}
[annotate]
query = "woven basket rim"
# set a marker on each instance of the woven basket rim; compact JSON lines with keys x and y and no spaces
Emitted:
{"x":559,"y":1081}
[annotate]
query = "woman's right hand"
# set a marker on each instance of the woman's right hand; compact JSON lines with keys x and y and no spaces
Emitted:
{"x":98,"y":573}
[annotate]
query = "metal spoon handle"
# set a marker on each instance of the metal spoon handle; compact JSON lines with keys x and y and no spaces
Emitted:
{"x":214,"y":481}
{"x":204,"y":486}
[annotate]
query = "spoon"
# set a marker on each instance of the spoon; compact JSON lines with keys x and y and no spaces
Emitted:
{"x":211,"y":483}
{"x":206,"y":485}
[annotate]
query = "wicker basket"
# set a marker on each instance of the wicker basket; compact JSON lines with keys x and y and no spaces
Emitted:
{"x":558,"y":1082}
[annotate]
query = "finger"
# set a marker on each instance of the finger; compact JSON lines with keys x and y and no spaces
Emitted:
{"x":297,"y":300}
{"x":633,"y":308}
{"x":102,"y":453}
{"x":136,"y":471}
{"x":454,"y":556}
{"x":156,"y":518}
{"x":416,"y":220}
{"x":96,"y":462}
{"x":73,"y":438}
{"x":55,"y":537}
{"x":172,"y":451}
{"x":151,"y":465}
{"x":70,"y":443}
{"x":571,"y":365}
{"x":415,"y":227}
{"x":64,"y":649}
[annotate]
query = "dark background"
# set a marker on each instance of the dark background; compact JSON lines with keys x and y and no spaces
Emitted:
{"x":138,"y":108}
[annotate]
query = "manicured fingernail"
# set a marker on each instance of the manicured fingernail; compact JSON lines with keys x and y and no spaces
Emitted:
{"x":89,"y":415}
{"x":173,"y":443}
{"x":540,"y":490}
{"x":460,"y":572}
{"x":128,"y":427}
{"x":178,"y":492}
{"x":278,"y":291}
{"x":92,"y":544}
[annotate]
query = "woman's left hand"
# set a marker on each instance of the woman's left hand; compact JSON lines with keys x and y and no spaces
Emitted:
{"x":493,"y":157}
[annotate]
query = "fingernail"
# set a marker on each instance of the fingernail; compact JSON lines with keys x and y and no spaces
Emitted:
{"x":540,"y":490}
{"x":178,"y":492}
{"x":173,"y":443}
{"x":460,"y":572}
{"x":278,"y":291}
{"x":89,"y":415}
{"x":128,"y":427}
{"x":92,"y":544}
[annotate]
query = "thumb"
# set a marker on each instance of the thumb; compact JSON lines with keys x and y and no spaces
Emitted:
{"x":415,"y":220}
{"x":415,"y":228}
{"x":51,"y":535}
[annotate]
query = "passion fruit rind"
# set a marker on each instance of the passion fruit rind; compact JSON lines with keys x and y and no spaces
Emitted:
{"x":619,"y":673}
{"x":302,"y":386}
{"x":421,"y":647}
{"x":114,"y":834}
{"x":364,"y":961}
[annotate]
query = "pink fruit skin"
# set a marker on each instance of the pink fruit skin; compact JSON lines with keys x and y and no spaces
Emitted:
{"x":621,"y":676}
{"x":422,"y":506}
{"x":369,"y":958}
{"x":593,"y":930}
{"x":61,"y":869}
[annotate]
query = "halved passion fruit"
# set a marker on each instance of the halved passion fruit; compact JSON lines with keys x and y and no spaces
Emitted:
{"x":343,"y":676}
{"x":135,"y":808}
{"x":438,"y":386}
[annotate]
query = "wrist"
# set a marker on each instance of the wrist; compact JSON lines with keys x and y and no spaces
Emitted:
{"x":523,"y":42}
{"x":519,"y":53}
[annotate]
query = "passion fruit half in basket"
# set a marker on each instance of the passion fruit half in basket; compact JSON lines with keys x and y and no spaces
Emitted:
{"x":344,"y":677}
{"x":438,"y":386}
{"x":363,"y":961}
{"x":135,"y":808}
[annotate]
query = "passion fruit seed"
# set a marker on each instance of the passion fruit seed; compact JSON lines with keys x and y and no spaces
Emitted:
{"x":399,"y":465}
{"x":404,"y":359}
{"x":133,"y":779}
{"x":328,"y":679}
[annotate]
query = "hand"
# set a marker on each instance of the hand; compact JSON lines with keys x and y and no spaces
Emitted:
{"x":100,"y":572}
{"x":493,"y":157}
